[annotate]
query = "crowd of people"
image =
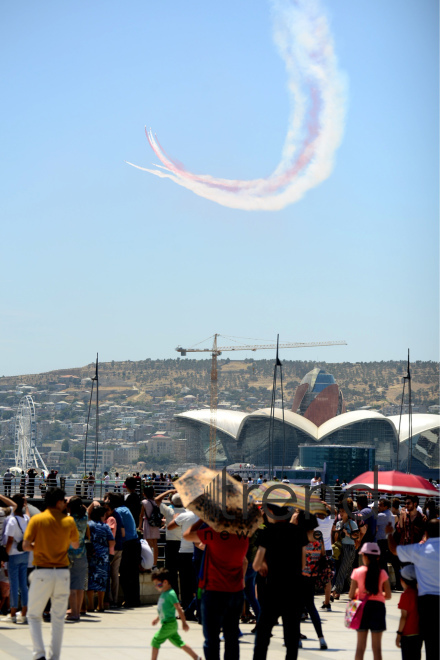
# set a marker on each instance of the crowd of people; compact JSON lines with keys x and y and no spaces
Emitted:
{"x":73,"y":559}
{"x":27,"y":480}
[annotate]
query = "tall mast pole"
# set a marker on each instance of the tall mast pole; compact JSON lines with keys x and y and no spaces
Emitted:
{"x":410,"y":442}
{"x":213,"y":406}
{"x":87,"y":427}
{"x":97,"y":416}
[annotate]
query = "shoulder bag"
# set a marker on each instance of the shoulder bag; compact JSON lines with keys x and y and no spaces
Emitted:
{"x":353,"y":613}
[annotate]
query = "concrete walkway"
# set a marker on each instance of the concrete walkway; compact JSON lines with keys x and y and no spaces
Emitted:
{"x":127,"y":634}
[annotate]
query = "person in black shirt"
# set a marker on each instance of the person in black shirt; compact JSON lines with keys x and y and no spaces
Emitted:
{"x":279,"y":561}
{"x":31,"y":483}
{"x":133,"y":501}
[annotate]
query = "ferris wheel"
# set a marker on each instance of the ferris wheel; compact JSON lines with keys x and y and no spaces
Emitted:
{"x":26,"y":452}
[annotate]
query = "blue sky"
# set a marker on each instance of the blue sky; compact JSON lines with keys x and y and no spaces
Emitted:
{"x":98,"y":256}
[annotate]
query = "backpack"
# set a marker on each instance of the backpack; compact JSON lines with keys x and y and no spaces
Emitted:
{"x":155,"y":520}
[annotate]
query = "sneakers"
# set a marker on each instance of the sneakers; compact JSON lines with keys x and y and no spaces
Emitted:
{"x":9,"y":619}
{"x":21,"y":619}
{"x":326,"y":607}
{"x":322,"y":644}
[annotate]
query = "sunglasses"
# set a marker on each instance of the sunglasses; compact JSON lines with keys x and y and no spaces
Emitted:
{"x":159,"y":584}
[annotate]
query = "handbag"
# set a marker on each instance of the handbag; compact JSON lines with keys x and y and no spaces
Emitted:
{"x":353,"y":613}
{"x":20,"y":543}
{"x":337,"y":550}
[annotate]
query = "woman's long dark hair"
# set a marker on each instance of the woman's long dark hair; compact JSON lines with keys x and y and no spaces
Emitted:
{"x":76,"y":507}
{"x":149,"y":492}
{"x":372,"y":577}
{"x":19,"y":501}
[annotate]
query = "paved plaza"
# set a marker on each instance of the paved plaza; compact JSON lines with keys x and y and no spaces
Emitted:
{"x":127,"y":633}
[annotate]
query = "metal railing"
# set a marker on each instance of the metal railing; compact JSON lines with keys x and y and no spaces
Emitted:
{"x":36,"y":489}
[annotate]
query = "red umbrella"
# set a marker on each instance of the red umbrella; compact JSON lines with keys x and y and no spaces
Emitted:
{"x":395,"y":482}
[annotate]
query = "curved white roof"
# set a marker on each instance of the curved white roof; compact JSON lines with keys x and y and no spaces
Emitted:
{"x":346,"y":419}
{"x":231,"y":421}
{"x":420,"y":422}
{"x":291,"y":418}
{"x":228,"y":421}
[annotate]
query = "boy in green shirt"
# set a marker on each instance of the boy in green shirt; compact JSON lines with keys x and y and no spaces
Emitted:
{"x":167,"y":606}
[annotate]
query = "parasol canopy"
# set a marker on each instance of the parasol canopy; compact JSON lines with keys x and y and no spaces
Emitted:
{"x":288,"y":495}
{"x":395,"y":482}
{"x":218,"y":500}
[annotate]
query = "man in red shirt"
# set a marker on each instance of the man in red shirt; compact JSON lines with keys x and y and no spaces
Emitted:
{"x":222,"y":582}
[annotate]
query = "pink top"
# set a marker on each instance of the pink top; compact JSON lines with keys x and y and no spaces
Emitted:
{"x":359,"y":574}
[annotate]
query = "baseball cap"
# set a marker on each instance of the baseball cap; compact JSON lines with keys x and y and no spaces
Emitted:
{"x":370,"y":549}
{"x":176,"y":500}
{"x":408,"y":572}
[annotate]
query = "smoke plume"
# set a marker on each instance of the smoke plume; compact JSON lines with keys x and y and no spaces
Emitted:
{"x":317,"y":100}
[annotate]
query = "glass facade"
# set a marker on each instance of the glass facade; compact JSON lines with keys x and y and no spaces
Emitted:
{"x":375,"y":433}
{"x":342,"y":462}
{"x":197,"y":435}
{"x":425,"y":459}
{"x":322,"y":380}
{"x":253,"y":442}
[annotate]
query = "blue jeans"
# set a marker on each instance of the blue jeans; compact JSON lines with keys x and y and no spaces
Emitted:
{"x":17,"y":568}
{"x":249,"y":590}
{"x":221,"y":609}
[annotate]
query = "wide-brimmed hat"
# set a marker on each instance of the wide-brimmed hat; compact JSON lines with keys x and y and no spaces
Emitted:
{"x":370,"y":549}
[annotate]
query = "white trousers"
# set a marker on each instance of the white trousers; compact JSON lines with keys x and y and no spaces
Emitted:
{"x":53,"y":583}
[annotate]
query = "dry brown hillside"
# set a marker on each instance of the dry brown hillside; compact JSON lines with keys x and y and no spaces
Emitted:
{"x":364,"y":383}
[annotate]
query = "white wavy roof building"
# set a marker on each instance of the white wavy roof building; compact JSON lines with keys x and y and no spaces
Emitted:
{"x":248,"y":436}
{"x":228,"y":421}
{"x":420,"y":422}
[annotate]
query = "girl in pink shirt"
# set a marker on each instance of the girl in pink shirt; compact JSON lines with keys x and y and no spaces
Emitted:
{"x":370,"y":583}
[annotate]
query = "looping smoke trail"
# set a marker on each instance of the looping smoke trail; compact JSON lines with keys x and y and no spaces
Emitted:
{"x":317,"y":97}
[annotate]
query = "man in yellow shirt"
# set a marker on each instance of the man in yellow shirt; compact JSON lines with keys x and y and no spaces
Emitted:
{"x":49,"y":535}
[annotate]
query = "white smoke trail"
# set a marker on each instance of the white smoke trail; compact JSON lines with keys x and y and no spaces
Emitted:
{"x":317,"y":97}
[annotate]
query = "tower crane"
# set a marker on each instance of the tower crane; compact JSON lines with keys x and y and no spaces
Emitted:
{"x":218,"y":350}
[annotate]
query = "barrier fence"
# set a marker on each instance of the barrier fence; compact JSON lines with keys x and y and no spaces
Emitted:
{"x":36,"y":488}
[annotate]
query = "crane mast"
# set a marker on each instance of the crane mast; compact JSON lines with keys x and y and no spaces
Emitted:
{"x":213,"y":406}
{"x":215,"y":352}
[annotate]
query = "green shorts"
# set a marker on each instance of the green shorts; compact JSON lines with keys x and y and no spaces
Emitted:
{"x":167,"y":631}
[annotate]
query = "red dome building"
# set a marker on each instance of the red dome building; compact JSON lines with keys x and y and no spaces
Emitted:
{"x":318,"y":397}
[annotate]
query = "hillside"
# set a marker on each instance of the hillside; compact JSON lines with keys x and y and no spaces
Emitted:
{"x":377,"y":384}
